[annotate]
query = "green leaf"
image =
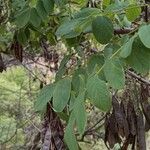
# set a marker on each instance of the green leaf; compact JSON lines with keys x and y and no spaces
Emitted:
{"x":106,"y":2}
{"x":35,"y":19}
{"x":102,"y":29}
{"x":22,"y":19}
{"x":41,"y":10}
{"x":61,"y":94}
{"x":118,"y":5}
{"x":127,"y":48}
{"x":27,"y":32}
{"x":95,"y":63}
{"x":72,"y":100}
{"x":110,"y":49}
{"x":62,"y":68}
{"x":80,"y":112}
{"x":69,"y":136}
{"x":87,"y":12}
{"x":98,"y":93}
{"x":32,"y":3}
{"x":133,"y":12}
{"x":69,"y":28}
{"x":48,"y":5}
{"x":76,"y":82}
{"x":140,"y":57}
{"x":114,"y":73}
{"x":44,"y":97}
{"x":21,"y":36}
{"x":144,"y":34}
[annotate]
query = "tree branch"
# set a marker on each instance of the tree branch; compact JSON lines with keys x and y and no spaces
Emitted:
{"x":123,"y":31}
{"x":134,"y":75}
{"x":91,"y":129}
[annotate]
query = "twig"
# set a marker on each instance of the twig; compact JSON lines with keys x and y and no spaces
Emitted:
{"x":89,"y":130}
{"x":32,"y":73}
{"x":123,"y":31}
{"x":146,"y":10}
{"x":134,"y":75}
{"x":34,"y":125}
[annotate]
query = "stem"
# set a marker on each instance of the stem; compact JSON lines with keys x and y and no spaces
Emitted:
{"x":109,"y":59}
{"x":138,"y":77}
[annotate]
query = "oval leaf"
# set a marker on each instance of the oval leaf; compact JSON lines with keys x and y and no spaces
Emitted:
{"x":133,"y":12}
{"x":41,"y":10}
{"x":44,"y":97}
{"x":48,"y":5}
{"x":144,"y":34}
{"x":127,"y":48}
{"x":95,"y":63}
{"x":87,"y":12}
{"x":114,"y":73}
{"x":98,"y":93}
{"x":23,"y":18}
{"x":76,"y":82}
{"x":102,"y":28}
{"x":80,"y":112}
{"x":69,"y":28}
{"x":61,"y":94}
{"x":62,"y":68}
{"x":35,"y":19}
{"x":140,"y":57}
{"x":69,"y":136}
{"x":21,"y":36}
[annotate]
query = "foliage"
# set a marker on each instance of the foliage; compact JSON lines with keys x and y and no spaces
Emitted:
{"x":122,"y":38}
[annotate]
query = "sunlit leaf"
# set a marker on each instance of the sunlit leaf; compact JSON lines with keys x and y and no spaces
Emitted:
{"x":133,"y":12}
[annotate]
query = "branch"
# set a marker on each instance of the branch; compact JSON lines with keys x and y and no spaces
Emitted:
{"x":100,"y":120}
{"x":123,"y":31}
{"x":34,"y":75}
{"x":120,"y":31}
{"x":134,"y":75}
{"x":91,"y":129}
{"x":146,"y":11}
